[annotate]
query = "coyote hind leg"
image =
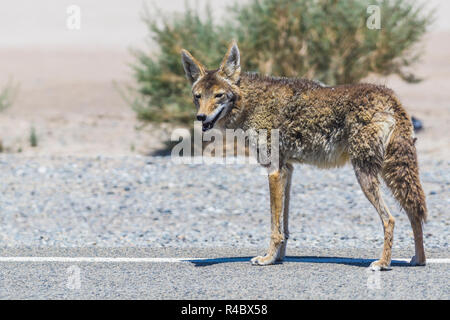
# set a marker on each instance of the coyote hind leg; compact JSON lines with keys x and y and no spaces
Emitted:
{"x":419,"y":257}
{"x":370,"y":185}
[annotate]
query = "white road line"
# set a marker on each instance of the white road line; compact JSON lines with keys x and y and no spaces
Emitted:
{"x":442,"y":260}
{"x":205,"y":260}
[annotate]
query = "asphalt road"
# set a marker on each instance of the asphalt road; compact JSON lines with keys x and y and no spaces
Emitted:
{"x":147,"y":228}
{"x":216,"y":273}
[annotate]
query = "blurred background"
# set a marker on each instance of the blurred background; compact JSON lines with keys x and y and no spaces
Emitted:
{"x":115,"y":86}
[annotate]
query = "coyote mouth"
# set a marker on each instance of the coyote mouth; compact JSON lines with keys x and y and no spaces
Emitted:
{"x":211,"y":120}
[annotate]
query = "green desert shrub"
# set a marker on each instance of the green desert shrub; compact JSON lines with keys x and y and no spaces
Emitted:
{"x":329,"y":40}
{"x":8,"y":94}
{"x":324,"y":40}
{"x":33,"y":139}
{"x":162,"y":91}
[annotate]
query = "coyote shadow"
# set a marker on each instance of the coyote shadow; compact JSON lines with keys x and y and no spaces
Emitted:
{"x":303,"y":259}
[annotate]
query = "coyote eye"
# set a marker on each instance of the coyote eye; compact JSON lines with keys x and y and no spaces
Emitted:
{"x":197,"y":96}
{"x":219,"y":95}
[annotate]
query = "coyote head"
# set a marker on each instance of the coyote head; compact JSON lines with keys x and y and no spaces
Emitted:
{"x":215,"y":92}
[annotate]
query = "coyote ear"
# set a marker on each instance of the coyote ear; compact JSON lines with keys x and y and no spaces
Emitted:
{"x":192,"y":67}
{"x":231,"y":64}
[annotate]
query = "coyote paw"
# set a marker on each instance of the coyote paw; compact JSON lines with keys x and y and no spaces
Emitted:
{"x":263,"y":261}
{"x":379,"y":266}
{"x":415,"y":262}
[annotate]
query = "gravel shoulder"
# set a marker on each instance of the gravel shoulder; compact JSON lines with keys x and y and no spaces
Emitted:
{"x":153,"y":202}
{"x":151,"y":207}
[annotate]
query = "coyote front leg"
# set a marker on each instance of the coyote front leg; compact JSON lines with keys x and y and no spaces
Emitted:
{"x":287,"y":191}
{"x":277,"y":183}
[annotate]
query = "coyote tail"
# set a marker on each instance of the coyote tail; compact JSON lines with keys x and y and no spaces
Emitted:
{"x":400,"y":168}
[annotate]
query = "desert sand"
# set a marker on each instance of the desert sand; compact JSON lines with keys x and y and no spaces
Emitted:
{"x":68,"y":81}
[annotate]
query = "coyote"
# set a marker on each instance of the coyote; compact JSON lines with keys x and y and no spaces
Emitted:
{"x":326,"y":126}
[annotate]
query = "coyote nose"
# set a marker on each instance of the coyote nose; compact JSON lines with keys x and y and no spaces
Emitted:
{"x":201,"y":117}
